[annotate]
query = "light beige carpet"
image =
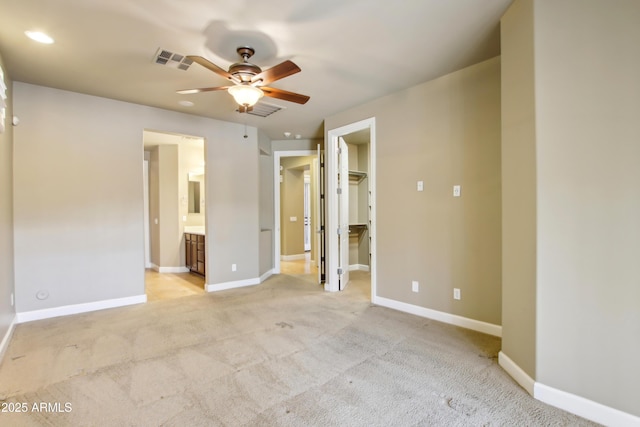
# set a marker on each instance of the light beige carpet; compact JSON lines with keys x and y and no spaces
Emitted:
{"x":284,"y":353}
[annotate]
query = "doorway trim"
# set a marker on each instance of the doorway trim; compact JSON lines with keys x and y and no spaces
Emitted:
{"x":331,"y":154}
{"x":277,"y":155}
{"x":147,"y":229}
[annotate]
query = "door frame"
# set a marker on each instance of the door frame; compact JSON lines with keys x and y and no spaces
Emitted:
{"x":147,"y":228}
{"x":331,"y":159}
{"x":277,"y":155}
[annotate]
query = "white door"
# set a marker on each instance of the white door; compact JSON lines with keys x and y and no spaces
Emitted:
{"x":319,"y":214}
{"x":307,"y":213}
{"x":343,"y":214}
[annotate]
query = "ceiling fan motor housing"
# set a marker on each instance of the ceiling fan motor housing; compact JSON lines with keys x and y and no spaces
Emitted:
{"x":244,"y":70}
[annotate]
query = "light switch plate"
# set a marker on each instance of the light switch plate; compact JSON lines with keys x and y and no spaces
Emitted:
{"x":293,"y":218}
{"x":456,"y":191}
{"x":420,"y":186}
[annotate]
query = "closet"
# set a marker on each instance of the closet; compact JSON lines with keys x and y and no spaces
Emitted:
{"x":359,"y":203}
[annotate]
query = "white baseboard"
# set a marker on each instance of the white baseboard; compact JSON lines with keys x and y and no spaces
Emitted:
{"x":232,"y":285}
{"x":168,"y":269}
{"x":172,"y":269}
{"x":239,"y":283}
{"x":572,"y":403}
{"x":292,"y":257}
{"x":440,"y":316}
{"x":29,"y":316}
{"x":4,"y":344}
{"x":266,"y":275}
{"x":520,"y":376}
{"x":358,"y":267}
{"x":584,"y":408}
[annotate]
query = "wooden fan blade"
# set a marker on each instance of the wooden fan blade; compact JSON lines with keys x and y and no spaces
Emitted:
{"x":283,"y":94}
{"x":277,"y":72}
{"x":210,"y":66}
{"x":202,"y":89}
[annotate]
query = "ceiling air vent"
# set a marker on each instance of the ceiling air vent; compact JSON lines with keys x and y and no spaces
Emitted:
{"x":174,"y":60}
{"x":263,"y":109}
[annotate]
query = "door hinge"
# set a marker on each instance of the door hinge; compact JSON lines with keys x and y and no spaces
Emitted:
{"x":339,"y":190}
{"x":339,"y":231}
{"x":339,"y":271}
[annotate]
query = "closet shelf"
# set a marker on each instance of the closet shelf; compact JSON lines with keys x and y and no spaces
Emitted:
{"x":357,"y":176}
{"x":358,"y":227}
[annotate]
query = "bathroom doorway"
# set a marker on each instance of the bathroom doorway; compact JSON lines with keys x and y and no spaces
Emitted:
{"x":175,"y":206}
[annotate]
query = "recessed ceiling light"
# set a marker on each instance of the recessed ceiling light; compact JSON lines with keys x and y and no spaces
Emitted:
{"x":39,"y":37}
{"x":185,"y":103}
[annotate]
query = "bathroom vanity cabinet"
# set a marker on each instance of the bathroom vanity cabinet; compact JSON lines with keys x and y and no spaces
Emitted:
{"x":195,"y":254}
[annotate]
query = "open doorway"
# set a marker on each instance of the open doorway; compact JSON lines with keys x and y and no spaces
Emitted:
{"x":351,"y":236}
{"x":174,"y":211}
{"x":296,"y":218}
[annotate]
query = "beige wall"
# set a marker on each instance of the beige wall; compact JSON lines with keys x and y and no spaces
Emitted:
{"x":518,"y":188}
{"x":79,"y":197}
{"x":233,"y":204}
{"x":166,"y":235}
{"x":444,"y":132}
{"x":266,"y":183}
{"x":588,"y":150}
{"x":267,"y":212}
{"x":169,"y":222}
{"x":7,"y":312}
{"x":571,"y":102}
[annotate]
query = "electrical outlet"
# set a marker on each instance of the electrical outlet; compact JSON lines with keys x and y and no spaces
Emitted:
{"x":420,"y":186}
{"x":456,"y":293}
{"x":415,"y":286}
{"x":234,"y":267}
{"x":456,"y":191}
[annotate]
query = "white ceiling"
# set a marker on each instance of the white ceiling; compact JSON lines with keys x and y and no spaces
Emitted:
{"x":350,"y":51}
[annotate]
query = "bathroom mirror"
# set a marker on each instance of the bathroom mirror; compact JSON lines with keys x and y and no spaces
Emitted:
{"x":194,"y":196}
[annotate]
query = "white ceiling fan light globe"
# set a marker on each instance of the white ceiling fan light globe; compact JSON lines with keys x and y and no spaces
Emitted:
{"x":246,"y":95}
{"x":39,"y":37}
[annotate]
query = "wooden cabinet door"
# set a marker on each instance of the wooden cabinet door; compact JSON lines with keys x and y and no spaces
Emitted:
{"x":187,"y":246}
{"x":194,"y":256}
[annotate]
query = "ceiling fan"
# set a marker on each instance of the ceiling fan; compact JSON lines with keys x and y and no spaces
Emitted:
{"x":249,"y":80}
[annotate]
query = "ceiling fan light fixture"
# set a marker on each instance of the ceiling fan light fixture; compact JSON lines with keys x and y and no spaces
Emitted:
{"x":245,"y":95}
{"x":39,"y":36}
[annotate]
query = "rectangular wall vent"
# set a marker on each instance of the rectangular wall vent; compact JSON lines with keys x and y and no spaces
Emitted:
{"x":173,"y":60}
{"x":263,"y":109}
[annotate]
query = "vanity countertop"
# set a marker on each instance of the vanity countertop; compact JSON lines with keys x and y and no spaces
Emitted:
{"x":194,"y":229}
